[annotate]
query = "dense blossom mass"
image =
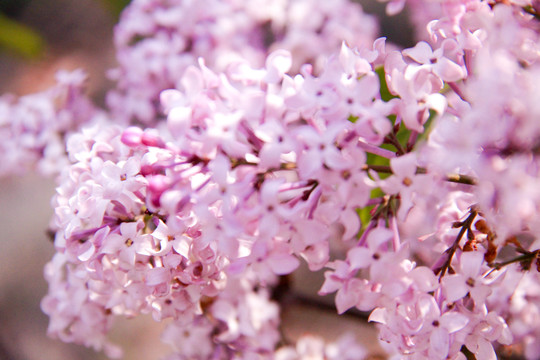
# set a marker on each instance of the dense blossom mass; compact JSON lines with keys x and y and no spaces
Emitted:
{"x":33,"y":127}
{"x":157,"y":40}
{"x":273,"y":131}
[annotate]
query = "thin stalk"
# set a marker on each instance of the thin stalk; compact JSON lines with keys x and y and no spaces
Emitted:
{"x":392,"y":139}
{"x":376,"y":150}
{"x":465,"y":226}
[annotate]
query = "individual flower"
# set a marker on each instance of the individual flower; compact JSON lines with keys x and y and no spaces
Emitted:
{"x":467,"y":279}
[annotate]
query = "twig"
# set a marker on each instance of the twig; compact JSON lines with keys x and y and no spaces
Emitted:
{"x":465,"y":226}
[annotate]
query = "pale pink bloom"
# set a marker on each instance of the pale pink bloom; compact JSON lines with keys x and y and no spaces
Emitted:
{"x":319,"y":150}
{"x":34,"y":127}
{"x":418,"y":88}
{"x":314,"y":348}
{"x":191,"y":340}
{"x":467,"y":280}
{"x":436,"y":61}
{"x":362,"y":257}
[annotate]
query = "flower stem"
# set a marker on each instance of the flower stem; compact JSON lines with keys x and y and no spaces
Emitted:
{"x":456,"y":178}
{"x":525,"y":260}
{"x":376,"y":150}
{"x":465,"y":226}
{"x":392,"y":139}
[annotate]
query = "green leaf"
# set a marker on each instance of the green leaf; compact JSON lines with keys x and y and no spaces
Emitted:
{"x":20,"y":39}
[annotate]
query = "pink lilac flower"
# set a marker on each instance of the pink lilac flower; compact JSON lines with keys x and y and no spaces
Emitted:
{"x":495,"y":102}
{"x":195,"y":219}
{"x":153,"y":50}
{"x":312,"y":347}
{"x":33,"y":127}
{"x":467,"y":279}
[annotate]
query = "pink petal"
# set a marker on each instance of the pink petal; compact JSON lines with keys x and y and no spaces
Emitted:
{"x":132,"y":136}
{"x":312,"y":232}
{"x":113,"y":243}
{"x":449,"y":70}
{"x":192,"y":80}
{"x":331,"y":283}
{"x":345,"y":299}
{"x":179,"y":120}
{"x":172,"y":260}
{"x":270,"y":155}
{"x":170,"y":98}
{"x":404,"y":166}
{"x":439,"y":342}
{"x":308,"y":163}
{"x":334,"y":159}
{"x":359,"y":257}
{"x":479,"y":293}
{"x":421,"y":53}
{"x":86,"y":251}
{"x":453,"y":321}
{"x":485,"y":350}
{"x":367,"y":88}
{"x":277,"y":64}
{"x":157,"y":276}
{"x":427,"y":307}
{"x":424,"y":278}
{"x":283,"y":264}
{"x":220,"y":168}
{"x":316,"y":255}
{"x":352,"y":63}
{"x":394,"y":7}
{"x":436,"y":102}
{"x":378,"y":315}
{"x":269,"y":226}
{"x":470,"y":263}
{"x":210,"y":78}
{"x":454,"y":287}
{"x":378,"y":236}
{"x":351,"y":222}
{"x":223,"y":310}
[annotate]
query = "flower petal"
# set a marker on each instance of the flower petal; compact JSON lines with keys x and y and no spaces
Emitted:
{"x":454,"y":287}
{"x":421,"y":53}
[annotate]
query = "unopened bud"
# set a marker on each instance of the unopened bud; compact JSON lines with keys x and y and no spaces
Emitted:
{"x":132,"y":136}
{"x":481,"y":225}
{"x":152,"y":139}
{"x":491,"y":252}
{"x":470,"y":245}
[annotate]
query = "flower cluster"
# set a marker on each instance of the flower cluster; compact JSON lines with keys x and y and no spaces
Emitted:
{"x":33,"y":127}
{"x":157,"y":40}
{"x":419,"y":162}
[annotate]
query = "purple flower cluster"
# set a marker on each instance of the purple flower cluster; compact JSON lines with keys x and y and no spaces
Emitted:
{"x":33,"y":127}
{"x":261,"y":154}
{"x":157,"y":40}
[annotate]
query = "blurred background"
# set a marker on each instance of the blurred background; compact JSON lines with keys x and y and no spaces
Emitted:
{"x":37,"y":38}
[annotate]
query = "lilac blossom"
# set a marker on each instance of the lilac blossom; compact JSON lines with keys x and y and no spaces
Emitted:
{"x":410,"y":176}
{"x":156,"y":41}
{"x":33,"y":127}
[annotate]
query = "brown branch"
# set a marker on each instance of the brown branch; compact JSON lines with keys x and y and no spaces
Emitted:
{"x":465,"y":226}
{"x":392,"y":139}
{"x":456,"y":178}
